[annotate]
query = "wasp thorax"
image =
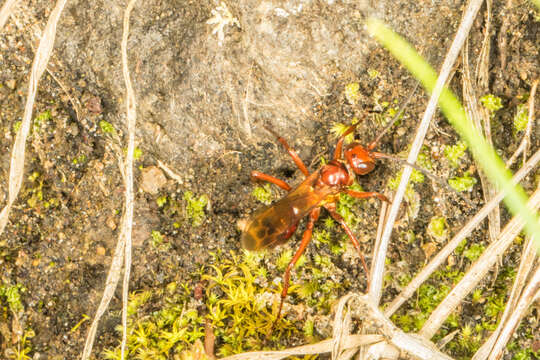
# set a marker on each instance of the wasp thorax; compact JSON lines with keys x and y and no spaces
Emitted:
{"x":335,"y":174}
{"x":359,"y":159}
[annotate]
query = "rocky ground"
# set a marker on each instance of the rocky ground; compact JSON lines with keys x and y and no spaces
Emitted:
{"x":298,"y":66}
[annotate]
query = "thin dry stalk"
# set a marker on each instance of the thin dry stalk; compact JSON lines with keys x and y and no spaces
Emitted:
{"x":523,"y":146}
{"x":366,"y":310}
{"x":530,"y":295}
{"x":110,"y":285}
{"x":131,"y":117}
{"x":122,"y":253}
{"x":438,"y":259}
{"x":6,"y":10}
{"x":503,"y":33}
{"x":480,"y":115}
{"x":527,"y":261}
{"x":476,"y":272}
{"x":351,"y":341}
{"x":171,"y":173}
{"x":39,"y":65}
{"x":342,"y":326}
{"x":379,"y":256}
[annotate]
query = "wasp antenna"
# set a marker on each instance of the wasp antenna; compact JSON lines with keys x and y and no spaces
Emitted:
{"x":430,"y":175}
{"x":339,"y":144}
{"x":375,"y":142}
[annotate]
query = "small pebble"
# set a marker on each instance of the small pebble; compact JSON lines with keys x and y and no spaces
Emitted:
{"x":152,"y":180}
{"x":11,"y":84}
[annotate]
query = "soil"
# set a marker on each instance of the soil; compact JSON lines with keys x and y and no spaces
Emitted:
{"x":201,"y":108}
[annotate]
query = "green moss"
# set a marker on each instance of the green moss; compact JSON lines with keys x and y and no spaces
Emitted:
{"x":477,"y":296}
{"x":463,"y":183}
{"x":468,"y":341}
{"x":157,"y":238}
{"x":23,"y":348}
{"x":424,"y":158}
{"x":34,"y":176}
{"x":107,"y":127}
{"x":416,"y":177}
{"x":346,"y":206}
{"x":495,"y":305}
{"x":461,"y":247}
{"x":352,"y":92}
{"x":137,"y":153}
{"x":241,"y":313}
{"x":372,"y":73}
{"x":40,"y":120}
{"x":81,"y":159}
{"x":521,"y":119}
{"x":491,"y":102}
{"x":329,"y":223}
{"x":339,"y":129}
{"x":437,"y":228}
{"x":11,"y":294}
{"x":321,"y":237}
{"x":164,"y":333}
{"x":474,"y":251}
{"x":284,"y":259}
{"x":161,"y":201}
{"x":17,"y":126}
{"x":263,"y":194}
{"x":454,"y":153}
{"x":520,"y":353}
{"x":195,"y":208}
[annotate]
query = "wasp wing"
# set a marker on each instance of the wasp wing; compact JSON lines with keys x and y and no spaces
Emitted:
{"x":273,"y":225}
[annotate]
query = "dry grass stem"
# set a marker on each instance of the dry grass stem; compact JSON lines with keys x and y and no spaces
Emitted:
{"x":476,"y":272}
{"x":531,"y":293}
{"x":131,"y":117}
{"x":325,"y":346}
{"x":472,"y":88}
{"x":342,"y":326}
{"x":39,"y":65}
{"x":123,"y":247}
{"x":75,"y":102}
{"x":523,"y":146}
{"x":367,"y":311}
{"x":503,"y":33}
{"x":6,"y":10}
{"x":110,"y":285}
{"x":170,"y":172}
{"x":527,"y":261}
{"x":438,"y":259}
{"x":379,"y":258}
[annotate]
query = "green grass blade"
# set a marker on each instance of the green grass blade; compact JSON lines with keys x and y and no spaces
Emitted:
{"x":485,"y":155}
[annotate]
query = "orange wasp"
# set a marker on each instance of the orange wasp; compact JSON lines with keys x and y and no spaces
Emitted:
{"x":275,"y":224}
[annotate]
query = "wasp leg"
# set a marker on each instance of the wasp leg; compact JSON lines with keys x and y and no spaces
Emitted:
{"x":299,"y":163}
{"x":364,"y":195}
{"x":332,"y":210}
{"x":257,"y":175}
{"x":306,"y":238}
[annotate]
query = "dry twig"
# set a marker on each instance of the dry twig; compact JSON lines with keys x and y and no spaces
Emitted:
{"x":19,"y":147}
{"x":438,"y":259}
{"x":481,"y":119}
{"x":379,"y":255}
{"x":123,"y":247}
{"x":525,"y":267}
{"x":531,"y":293}
{"x":351,"y":341}
{"x":6,"y":10}
{"x":476,"y":272}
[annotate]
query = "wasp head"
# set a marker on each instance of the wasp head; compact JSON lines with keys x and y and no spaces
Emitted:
{"x":359,"y":158}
